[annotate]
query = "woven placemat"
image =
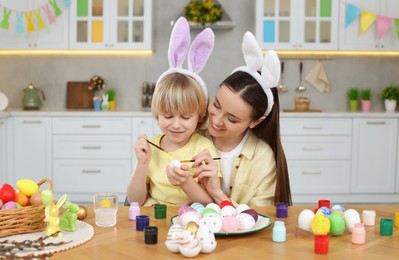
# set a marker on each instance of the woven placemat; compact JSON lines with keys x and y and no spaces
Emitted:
{"x":83,"y":234}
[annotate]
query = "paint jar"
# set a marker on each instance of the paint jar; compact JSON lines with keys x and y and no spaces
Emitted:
{"x":386,"y":227}
{"x":160,"y":211}
{"x":324,"y":203}
{"x":142,"y":221}
{"x":368,"y":217}
{"x":134,"y":210}
{"x":321,"y":243}
{"x":358,"y":234}
{"x":279,"y":232}
{"x":397,"y":219}
{"x":150,"y":235}
{"x":281,"y":210}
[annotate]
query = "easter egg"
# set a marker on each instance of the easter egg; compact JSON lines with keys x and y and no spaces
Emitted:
{"x":9,"y":205}
{"x":172,"y":241}
{"x":82,"y":212}
{"x":21,"y":198}
{"x":207,"y":211}
{"x":337,"y":224}
{"x":214,"y":206}
{"x":241,"y":207}
{"x":230,"y":224}
{"x":27,"y":187}
{"x":175,"y":163}
{"x":246,"y":221}
{"x":206,"y":239}
{"x":251,"y":212}
{"x":228,"y":211}
{"x":325,"y":211}
{"x":305,"y":219}
{"x":338,"y":208}
{"x":351,"y":217}
{"x":47,"y":197}
{"x":7,"y":193}
{"x":36,"y":199}
{"x":198,"y":207}
{"x":320,"y":225}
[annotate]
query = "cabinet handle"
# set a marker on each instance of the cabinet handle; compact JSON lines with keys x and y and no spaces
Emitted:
{"x":91,"y":171}
{"x":311,"y":172}
{"x":91,"y":126}
{"x":312,"y":127}
{"x":31,"y":122}
{"x":375,"y":123}
{"x":91,"y":147}
{"x":311,"y":148}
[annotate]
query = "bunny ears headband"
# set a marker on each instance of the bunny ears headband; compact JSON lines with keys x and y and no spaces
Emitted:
{"x":198,"y":52}
{"x":269,"y":65}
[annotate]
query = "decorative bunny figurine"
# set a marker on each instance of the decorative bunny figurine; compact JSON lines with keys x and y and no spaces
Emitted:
{"x":52,"y":211}
{"x":68,"y":219}
{"x":105,"y":103}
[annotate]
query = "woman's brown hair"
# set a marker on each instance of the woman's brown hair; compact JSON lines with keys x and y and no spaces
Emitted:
{"x":268,"y":130}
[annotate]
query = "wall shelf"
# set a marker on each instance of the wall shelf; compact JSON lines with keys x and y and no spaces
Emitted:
{"x":225,"y":23}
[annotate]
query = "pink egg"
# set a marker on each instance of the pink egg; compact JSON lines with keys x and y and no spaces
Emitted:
{"x":252,"y":212}
{"x":183,"y":209}
{"x":9,"y":205}
{"x":230,"y":224}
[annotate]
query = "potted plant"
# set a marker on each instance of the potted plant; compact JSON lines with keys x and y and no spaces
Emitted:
{"x":111,"y":99}
{"x":353,"y":95}
{"x":365,"y":99}
{"x":203,"y":12}
{"x":390,"y":95}
{"x":96,"y":84}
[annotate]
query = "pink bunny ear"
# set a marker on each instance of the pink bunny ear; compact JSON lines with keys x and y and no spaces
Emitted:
{"x":271,"y":69}
{"x":200,"y":50}
{"x":252,"y":52}
{"x":179,"y":43}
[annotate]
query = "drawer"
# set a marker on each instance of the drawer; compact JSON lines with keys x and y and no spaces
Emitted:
{"x":319,"y":177}
{"x":316,"y":126}
{"x":90,"y":176}
{"x":90,"y":125}
{"x":92,"y":147}
{"x":317,"y":147}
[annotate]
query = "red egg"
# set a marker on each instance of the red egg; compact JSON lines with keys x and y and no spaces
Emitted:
{"x":251,"y":212}
{"x":226,"y":203}
{"x":7,"y":193}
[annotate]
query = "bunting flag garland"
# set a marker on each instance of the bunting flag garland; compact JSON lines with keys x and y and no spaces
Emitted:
{"x":31,"y":20}
{"x":367,"y":19}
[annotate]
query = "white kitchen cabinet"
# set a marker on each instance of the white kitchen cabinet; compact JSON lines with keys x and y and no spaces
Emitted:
{"x":352,"y":39}
{"x":4,"y":145}
{"x":318,"y":153}
{"x":32,"y":148}
{"x":91,"y":154}
{"x":297,"y":25}
{"x":374,"y":155}
{"x":53,"y":36}
{"x":110,"y":24}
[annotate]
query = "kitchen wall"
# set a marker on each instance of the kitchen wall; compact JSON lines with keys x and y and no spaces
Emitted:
{"x":126,"y":74}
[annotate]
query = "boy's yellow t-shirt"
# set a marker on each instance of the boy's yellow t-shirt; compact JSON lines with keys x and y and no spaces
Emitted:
{"x":160,"y":189}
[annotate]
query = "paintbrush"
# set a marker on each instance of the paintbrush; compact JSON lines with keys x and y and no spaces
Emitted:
{"x":216,"y":158}
{"x":159,"y":147}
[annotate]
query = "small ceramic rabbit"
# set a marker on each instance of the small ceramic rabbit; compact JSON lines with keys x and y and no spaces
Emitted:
{"x":52,"y":211}
{"x":105,"y":104}
{"x":68,"y":219}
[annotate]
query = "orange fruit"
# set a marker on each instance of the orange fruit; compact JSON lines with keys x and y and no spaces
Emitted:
{"x":21,"y":198}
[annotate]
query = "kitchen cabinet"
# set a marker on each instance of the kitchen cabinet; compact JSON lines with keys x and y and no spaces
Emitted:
{"x":318,"y":152}
{"x":4,"y":145}
{"x":374,"y":155}
{"x":52,"y":36}
{"x":91,"y":155}
{"x":352,"y":39}
{"x":297,"y":25}
{"x":31,"y":148}
{"x":110,"y":24}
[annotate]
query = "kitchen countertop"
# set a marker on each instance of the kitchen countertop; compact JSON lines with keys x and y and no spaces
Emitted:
{"x":92,"y":113}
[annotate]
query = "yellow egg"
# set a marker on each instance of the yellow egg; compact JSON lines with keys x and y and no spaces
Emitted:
{"x":106,"y":203}
{"x":27,"y":187}
{"x":320,"y":225}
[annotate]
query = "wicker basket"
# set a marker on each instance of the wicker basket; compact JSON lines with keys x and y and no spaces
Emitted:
{"x":23,"y":220}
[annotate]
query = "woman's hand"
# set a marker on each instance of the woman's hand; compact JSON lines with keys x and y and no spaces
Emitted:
{"x":142,"y":149}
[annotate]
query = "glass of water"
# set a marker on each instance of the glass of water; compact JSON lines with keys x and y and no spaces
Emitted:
{"x":105,"y":209}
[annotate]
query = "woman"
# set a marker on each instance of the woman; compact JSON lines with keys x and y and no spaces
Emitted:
{"x":244,"y":127}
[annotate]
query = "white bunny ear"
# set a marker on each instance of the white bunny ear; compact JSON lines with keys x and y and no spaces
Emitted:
{"x":200,"y":50}
{"x":271,"y":69}
{"x":179,"y":43}
{"x":252,"y":52}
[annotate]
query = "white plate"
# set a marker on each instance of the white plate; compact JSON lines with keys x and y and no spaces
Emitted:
{"x":3,"y":101}
{"x":262,"y":223}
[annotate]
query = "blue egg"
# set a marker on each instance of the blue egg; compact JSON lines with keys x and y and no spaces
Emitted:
{"x":338,"y":208}
{"x":198,"y":207}
{"x":325,"y":211}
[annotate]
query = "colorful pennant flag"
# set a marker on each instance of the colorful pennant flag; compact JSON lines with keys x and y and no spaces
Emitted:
{"x":397,"y":26}
{"x":352,"y":12}
{"x":383,"y":23}
{"x":366,"y":20}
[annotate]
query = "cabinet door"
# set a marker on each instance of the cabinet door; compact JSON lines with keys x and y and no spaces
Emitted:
{"x":374,"y":155}
{"x":32,"y":148}
{"x":53,"y":36}
{"x":3,"y":151}
{"x":110,"y":24}
{"x":290,"y":25}
{"x":351,"y":37}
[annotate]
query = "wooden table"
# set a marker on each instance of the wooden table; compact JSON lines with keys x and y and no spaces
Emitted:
{"x":124,"y":242}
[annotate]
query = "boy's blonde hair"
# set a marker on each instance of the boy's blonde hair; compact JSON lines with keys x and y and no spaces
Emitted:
{"x":179,"y":94}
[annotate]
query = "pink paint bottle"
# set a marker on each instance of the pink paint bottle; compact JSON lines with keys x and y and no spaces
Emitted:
{"x":358,"y":234}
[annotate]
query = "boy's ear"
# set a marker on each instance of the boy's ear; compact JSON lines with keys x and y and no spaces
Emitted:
{"x":257,"y":122}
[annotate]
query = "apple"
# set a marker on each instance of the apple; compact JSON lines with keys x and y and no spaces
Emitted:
{"x":7,"y":193}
